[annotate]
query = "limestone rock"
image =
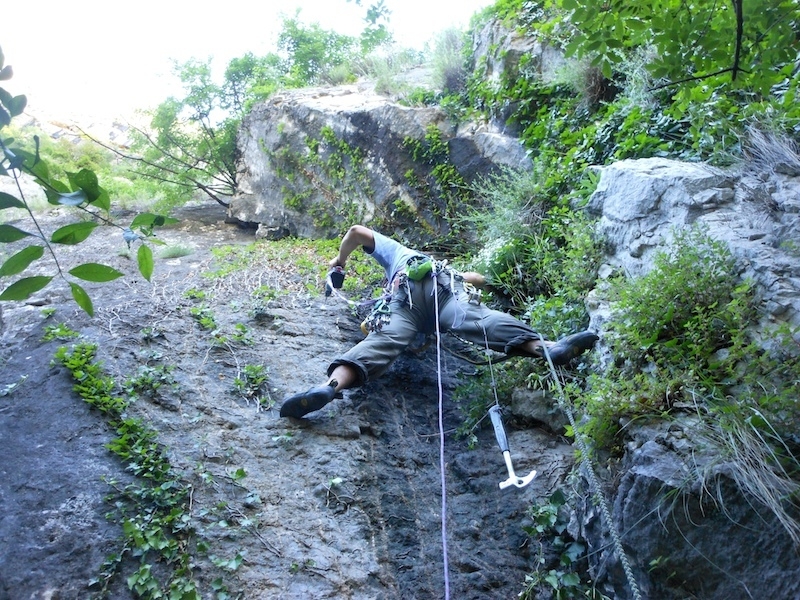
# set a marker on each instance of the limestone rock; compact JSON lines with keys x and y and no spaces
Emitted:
{"x":688,"y":528}
{"x":641,"y":203}
{"x":313,"y":159}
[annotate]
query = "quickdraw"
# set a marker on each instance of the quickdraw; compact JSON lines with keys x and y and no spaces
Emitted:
{"x":377,"y":318}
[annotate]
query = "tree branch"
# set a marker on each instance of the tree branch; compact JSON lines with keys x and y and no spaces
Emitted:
{"x":737,"y":7}
{"x":209,"y":190}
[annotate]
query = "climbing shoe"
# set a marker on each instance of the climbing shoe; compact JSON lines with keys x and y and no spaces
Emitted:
{"x":571,"y":346}
{"x":312,"y":399}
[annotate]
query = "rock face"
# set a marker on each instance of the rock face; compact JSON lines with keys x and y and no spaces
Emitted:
{"x":312,"y":160}
{"x":641,"y":202}
{"x":688,"y":529}
{"x":502,"y":54}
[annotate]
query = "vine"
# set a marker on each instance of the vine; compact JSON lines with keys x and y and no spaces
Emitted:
{"x":153,"y":510}
{"x":329,"y":167}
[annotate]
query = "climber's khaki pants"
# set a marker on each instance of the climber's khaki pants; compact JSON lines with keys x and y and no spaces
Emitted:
{"x":470,"y":321}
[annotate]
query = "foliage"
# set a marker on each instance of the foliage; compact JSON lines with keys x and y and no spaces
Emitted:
{"x":664,"y":316}
{"x":311,"y":52}
{"x":153,"y":509}
{"x":330,"y":167}
{"x":534,"y":247}
{"x":376,"y":32}
{"x":191,"y":143}
{"x":204,"y":315}
{"x":149,"y":379}
{"x":60,"y":332}
{"x":557,"y":571}
{"x":309,"y":259}
{"x":751,"y":44}
{"x":440,"y":180}
{"x":82,"y":192}
{"x":251,"y":383}
{"x":681,"y":333}
{"x":449,"y":61}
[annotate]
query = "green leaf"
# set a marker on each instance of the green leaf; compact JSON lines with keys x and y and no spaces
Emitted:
{"x":103,"y":201}
{"x":24,"y":288}
{"x":86,"y":180}
{"x":570,"y":580}
{"x":606,"y":69}
{"x":73,"y":198}
{"x":95,"y":272}
{"x":9,"y":201}
{"x":151,"y":220}
{"x":6,"y":73}
{"x":82,"y":299}
{"x":17,"y":105}
{"x":20,"y":261}
{"x":145,"y":259}
{"x":9,"y":233}
{"x":73,"y":233}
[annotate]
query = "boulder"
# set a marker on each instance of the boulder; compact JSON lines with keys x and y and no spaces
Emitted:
{"x":640,"y":204}
{"x":688,"y":522}
{"x":503,"y":55}
{"x":316,"y":160}
{"x":686,"y":527}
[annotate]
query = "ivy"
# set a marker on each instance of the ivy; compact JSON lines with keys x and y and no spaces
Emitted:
{"x":153,"y":509}
{"x":330,"y":168}
{"x":452,"y":194}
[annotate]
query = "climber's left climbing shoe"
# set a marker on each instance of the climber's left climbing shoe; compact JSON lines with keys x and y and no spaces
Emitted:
{"x":571,"y":347}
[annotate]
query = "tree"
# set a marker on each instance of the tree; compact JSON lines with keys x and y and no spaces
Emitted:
{"x":191,"y":143}
{"x":376,"y":32}
{"x":82,"y":192}
{"x":754,"y":44}
{"x":311,"y":51}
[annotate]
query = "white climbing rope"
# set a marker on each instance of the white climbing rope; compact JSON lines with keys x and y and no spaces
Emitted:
{"x":592,"y":478}
{"x":441,"y":435}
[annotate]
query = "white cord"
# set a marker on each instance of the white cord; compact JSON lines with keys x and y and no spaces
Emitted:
{"x":593,"y":483}
{"x":441,"y":437}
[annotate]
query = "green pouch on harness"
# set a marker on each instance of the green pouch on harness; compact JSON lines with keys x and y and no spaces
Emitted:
{"x":418,"y":267}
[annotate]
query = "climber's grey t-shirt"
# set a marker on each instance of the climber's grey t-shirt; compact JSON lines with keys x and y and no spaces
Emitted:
{"x":391,"y":255}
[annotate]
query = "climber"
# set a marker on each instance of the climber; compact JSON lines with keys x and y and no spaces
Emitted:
{"x":412,"y":310}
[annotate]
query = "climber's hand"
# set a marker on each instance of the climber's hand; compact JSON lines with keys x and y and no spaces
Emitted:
{"x":335,"y":279}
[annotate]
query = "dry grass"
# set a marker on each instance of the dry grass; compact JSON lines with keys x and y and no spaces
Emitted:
{"x":770,"y":152}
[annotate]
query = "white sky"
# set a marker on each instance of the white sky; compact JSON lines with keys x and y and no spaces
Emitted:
{"x":110,"y":57}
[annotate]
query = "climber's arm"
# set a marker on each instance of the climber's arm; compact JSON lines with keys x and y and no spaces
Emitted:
{"x":356,"y":236}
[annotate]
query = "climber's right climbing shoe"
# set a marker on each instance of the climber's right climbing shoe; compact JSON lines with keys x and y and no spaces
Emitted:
{"x":301,"y":404}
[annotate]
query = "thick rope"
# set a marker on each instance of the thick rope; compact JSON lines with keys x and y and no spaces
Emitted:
{"x":594,"y":484}
{"x":441,"y":436}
